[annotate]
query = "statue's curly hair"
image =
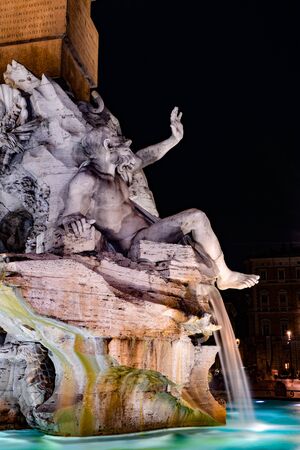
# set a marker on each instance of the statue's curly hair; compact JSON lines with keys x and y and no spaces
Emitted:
{"x":94,"y":139}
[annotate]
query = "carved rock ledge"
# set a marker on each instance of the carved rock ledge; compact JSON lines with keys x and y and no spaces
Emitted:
{"x":135,"y":318}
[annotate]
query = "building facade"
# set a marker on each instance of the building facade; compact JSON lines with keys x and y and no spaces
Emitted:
{"x":273,"y":345}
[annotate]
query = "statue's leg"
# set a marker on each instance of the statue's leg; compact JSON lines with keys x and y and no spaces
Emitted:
{"x":194,"y":221}
{"x":173,"y":228}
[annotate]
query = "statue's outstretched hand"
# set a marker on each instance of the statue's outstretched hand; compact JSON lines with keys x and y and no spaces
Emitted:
{"x":176,"y":125}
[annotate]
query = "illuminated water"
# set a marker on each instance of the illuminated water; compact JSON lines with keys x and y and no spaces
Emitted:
{"x":277,"y":427}
{"x":234,"y":375}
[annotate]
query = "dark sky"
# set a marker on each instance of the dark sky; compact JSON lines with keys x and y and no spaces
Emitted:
{"x":233,"y":67}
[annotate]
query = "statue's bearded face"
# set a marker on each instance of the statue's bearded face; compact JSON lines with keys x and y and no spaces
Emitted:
{"x":110,"y":160}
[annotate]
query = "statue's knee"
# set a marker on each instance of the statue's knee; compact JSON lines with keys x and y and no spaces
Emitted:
{"x":198,"y":215}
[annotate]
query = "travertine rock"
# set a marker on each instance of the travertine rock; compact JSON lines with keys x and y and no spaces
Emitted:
{"x":148,"y":301}
{"x":131,"y":318}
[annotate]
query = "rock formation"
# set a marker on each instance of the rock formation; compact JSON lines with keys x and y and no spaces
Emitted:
{"x":116,"y":333}
{"x":94,"y":341}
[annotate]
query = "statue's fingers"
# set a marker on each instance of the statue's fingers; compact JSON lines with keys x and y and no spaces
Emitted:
{"x":84,"y":225}
{"x":91,"y":221}
{"x":179,"y":116}
{"x":66,"y":228}
{"x":174,"y":113}
{"x":81,"y":225}
{"x":75,"y":229}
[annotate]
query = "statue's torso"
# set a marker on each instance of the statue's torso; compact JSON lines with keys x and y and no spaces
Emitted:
{"x":113,"y":211}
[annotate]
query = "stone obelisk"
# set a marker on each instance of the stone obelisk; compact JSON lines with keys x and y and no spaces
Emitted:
{"x":55,"y":37}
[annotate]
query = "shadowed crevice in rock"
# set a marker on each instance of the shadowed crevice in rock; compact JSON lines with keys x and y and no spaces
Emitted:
{"x":27,"y":380}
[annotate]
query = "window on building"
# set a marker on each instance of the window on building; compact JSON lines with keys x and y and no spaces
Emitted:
{"x":264,"y":301}
{"x":263,"y":275}
{"x":284,"y":326}
{"x":266,"y":327}
{"x":281,"y":274}
{"x":283,"y":301}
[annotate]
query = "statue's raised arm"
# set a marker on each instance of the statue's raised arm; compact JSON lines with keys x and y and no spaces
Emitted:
{"x":153,"y":153}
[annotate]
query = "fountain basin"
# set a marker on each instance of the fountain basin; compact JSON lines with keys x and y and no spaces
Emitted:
{"x":277,"y":427}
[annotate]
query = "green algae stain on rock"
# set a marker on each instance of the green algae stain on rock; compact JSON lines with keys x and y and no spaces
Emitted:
{"x":92,"y":396}
{"x":138,"y":400}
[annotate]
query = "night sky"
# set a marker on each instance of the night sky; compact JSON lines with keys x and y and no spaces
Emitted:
{"x":234,"y":70}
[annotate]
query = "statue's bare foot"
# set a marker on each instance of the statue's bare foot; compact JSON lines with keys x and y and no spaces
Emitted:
{"x":236,"y":280}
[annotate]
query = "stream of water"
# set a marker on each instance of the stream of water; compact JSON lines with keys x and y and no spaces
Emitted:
{"x":234,"y":375}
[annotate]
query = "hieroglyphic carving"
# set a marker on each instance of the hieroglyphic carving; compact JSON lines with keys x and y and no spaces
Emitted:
{"x":84,"y":36}
{"x":22,"y":20}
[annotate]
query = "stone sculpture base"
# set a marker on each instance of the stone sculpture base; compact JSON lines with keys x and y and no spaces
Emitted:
{"x":107,"y":345}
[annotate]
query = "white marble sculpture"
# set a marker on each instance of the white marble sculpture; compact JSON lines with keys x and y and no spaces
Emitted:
{"x":78,"y":161}
{"x":99,"y":195}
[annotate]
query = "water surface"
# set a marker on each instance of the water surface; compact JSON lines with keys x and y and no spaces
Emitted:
{"x":277,"y":427}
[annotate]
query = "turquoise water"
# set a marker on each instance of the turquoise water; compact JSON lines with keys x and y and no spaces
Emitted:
{"x":277,"y":427}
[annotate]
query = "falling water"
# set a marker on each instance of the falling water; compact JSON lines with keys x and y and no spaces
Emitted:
{"x":235,"y":378}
